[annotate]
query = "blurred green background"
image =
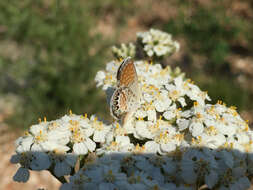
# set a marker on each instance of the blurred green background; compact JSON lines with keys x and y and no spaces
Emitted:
{"x":50,"y":51}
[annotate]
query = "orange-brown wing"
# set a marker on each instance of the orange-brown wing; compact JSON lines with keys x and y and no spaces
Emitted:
{"x":126,"y":74}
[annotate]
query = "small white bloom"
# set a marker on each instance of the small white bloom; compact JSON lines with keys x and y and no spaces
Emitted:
{"x":151,"y":115}
{"x":196,"y":129}
{"x":99,"y":79}
{"x":124,"y":51}
{"x":120,"y":144}
{"x":162,"y":102}
{"x":140,"y":113}
{"x":151,"y":147}
{"x":85,"y":145}
{"x":23,"y":144}
{"x":142,"y":130}
{"x":157,"y":43}
{"x":100,"y":131}
{"x":171,"y":112}
{"x":182,"y":124}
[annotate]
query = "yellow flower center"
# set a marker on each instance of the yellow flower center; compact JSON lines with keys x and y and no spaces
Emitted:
{"x":162,"y":138}
{"x":211,"y":130}
{"x":41,"y":137}
{"x":98,"y":126}
{"x":53,"y":126}
{"x":74,"y":126}
{"x":113,"y":146}
{"x":174,"y":95}
{"x":77,"y":137}
{"x":139,"y":149}
{"x":178,"y":137}
{"x":197,"y":141}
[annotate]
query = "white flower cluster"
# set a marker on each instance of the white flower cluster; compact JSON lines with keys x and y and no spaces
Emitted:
{"x":175,"y":140}
{"x":55,"y":145}
{"x":157,"y":43}
{"x":198,"y":143}
{"x":124,"y":51}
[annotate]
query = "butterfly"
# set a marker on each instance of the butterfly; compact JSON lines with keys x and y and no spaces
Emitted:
{"x":125,"y":99}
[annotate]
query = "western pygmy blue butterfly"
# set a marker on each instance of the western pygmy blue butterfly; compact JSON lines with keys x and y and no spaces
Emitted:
{"x":126,"y":97}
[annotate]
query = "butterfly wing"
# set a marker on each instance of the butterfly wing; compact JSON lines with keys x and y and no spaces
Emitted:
{"x":118,"y":103}
{"x":126,"y":97}
{"x":122,"y":101}
{"x":126,"y":74}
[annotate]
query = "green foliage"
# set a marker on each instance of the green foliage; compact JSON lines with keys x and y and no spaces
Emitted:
{"x":113,"y":7}
{"x":57,"y":73}
{"x":211,"y":32}
{"x":208,"y":32}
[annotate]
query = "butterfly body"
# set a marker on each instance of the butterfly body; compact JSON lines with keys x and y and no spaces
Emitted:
{"x":126,"y":97}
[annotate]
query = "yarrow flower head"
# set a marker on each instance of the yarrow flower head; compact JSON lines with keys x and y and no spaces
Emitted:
{"x":175,"y":139}
{"x":124,"y":50}
{"x":157,"y":43}
{"x":57,"y":144}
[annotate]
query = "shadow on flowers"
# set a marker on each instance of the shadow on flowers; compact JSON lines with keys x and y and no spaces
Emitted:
{"x":184,"y":169}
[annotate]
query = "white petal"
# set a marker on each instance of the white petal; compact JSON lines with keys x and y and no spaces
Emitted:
{"x":159,"y":106}
{"x":196,"y":129}
{"x":89,"y":131}
{"x":182,"y":101}
{"x":151,"y":147}
{"x":59,"y":136}
{"x":142,"y":130}
{"x":169,"y":115}
{"x":147,"y":97}
{"x":80,"y":149}
{"x":35,"y":129}
{"x":168,"y":147}
{"x":24,"y":144}
{"x":99,"y":136}
{"x":123,"y":140}
{"x":151,"y":115}
{"x":91,"y":145}
{"x":183,"y":124}
{"x":140,"y":113}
